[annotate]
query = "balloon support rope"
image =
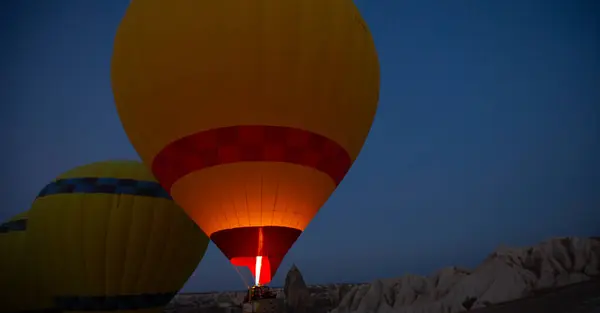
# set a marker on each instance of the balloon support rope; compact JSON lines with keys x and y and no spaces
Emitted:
{"x":241,"y":276}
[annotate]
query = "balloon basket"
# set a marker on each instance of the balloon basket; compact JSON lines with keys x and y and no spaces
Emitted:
{"x":264,"y":306}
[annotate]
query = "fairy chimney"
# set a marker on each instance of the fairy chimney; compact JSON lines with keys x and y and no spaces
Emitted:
{"x":297,"y":296}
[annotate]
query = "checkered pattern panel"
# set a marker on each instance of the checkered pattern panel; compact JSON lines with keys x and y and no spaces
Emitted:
{"x":114,"y":303}
{"x":250,"y":143}
{"x":11,"y":226}
{"x":106,"y":186}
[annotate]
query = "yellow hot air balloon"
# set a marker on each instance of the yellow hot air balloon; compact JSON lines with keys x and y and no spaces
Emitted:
{"x":113,"y":239}
{"x":19,"y":270}
{"x":250,"y":113}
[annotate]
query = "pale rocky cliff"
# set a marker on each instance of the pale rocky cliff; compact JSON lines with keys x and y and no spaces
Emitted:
{"x":506,"y":274}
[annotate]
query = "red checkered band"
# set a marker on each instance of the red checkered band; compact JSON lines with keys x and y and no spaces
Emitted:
{"x":250,"y":143}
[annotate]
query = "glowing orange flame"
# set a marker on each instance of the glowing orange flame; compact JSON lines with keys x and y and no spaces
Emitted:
{"x":257,"y":269}
{"x":258,"y":263}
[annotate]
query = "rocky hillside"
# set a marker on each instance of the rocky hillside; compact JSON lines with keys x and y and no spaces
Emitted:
{"x":506,"y":274}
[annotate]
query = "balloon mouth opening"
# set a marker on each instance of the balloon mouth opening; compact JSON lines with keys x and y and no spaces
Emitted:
{"x":258,"y":265}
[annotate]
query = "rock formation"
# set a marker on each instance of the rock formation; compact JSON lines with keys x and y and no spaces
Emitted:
{"x":505,"y":275}
{"x":297,"y":295}
{"x":333,"y":297}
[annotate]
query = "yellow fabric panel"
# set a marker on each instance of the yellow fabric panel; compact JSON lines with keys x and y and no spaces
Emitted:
{"x":121,"y":169}
{"x":19,"y":216}
{"x":106,"y":245}
{"x":253,"y":194}
{"x":98,"y":250}
{"x":19,"y":273}
{"x":183,"y":66}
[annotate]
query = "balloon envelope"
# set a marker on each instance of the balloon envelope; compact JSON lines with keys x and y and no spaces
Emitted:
{"x":19,"y":269}
{"x":250,"y":113}
{"x":113,"y":239}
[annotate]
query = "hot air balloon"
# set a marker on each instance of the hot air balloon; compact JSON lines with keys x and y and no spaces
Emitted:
{"x":250,"y":113}
{"x":113,"y":239}
{"x":18,"y":270}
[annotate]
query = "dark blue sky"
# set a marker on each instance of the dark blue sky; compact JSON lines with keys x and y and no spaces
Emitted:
{"x":487,"y":132}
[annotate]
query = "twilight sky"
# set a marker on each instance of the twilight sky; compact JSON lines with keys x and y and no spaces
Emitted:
{"x":488,"y":130}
